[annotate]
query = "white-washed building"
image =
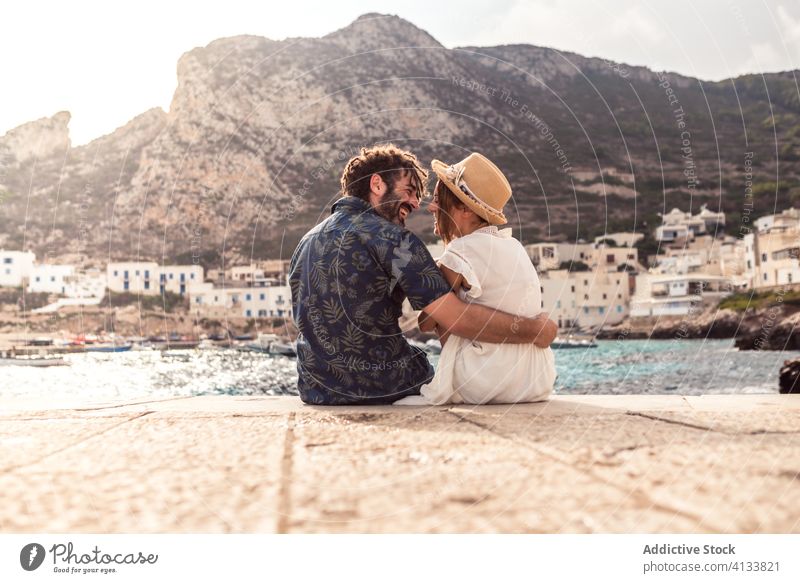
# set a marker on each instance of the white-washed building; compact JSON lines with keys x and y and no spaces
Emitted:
{"x":178,"y":279}
{"x":275,"y":268}
{"x":785,"y":220}
{"x":585,"y":299}
{"x":244,"y":274}
{"x":50,"y":278}
{"x":150,"y":278}
{"x":209,"y":301}
{"x":622,"y":239}
{"x":772,"y":250}
{"x":133,"y":276}
{"x":549,"y":256}
{"x":678,"y":226}
{"x":704,"y":254}
{"x":677,"y":294}
{"x":15,"y":267}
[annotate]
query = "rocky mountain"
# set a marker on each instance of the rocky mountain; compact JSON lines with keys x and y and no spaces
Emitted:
{"x":249,"y":154}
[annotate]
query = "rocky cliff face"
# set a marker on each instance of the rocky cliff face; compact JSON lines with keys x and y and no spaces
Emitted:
{"x":248,"y":156}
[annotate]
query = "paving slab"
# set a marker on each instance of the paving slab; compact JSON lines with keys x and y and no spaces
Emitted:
{"x":577,"y":463}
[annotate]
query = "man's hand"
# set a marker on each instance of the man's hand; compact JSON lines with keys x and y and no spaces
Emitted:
{"x":548,"y":332}
{"x":487,"y":325}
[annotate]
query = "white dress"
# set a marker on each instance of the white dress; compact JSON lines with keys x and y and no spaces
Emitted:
{"x":501,"y":276}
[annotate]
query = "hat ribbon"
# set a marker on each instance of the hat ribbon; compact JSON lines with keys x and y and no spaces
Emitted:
{"x":456,"y":174}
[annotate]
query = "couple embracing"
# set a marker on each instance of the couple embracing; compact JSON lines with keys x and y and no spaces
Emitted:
{"x":351,"y":273}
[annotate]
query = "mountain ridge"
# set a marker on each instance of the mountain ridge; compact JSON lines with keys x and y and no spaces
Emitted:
{"x":247,"y":157}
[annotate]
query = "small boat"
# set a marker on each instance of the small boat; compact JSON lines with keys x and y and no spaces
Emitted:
{"x":573,"y":343}
{"x":180,"y":344}
{"x":271,"y":344}
{"x":40,"y":362}
{"x":109,"y":347}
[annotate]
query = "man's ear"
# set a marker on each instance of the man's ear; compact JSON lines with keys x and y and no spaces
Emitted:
{"x":377,"y":185}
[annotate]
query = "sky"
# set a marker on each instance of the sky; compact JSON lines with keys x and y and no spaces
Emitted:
{"x":106,"y":62}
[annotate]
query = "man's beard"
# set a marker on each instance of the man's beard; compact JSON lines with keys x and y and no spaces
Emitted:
{"x":389,"y":208}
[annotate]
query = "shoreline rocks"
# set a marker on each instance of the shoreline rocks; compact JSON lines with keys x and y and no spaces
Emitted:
{"x":790,"y":376}
{"x":773,"y":328}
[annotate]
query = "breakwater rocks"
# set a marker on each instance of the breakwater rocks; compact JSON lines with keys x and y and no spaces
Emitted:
{"x":790,"y":376}
{"x":771,"y":328}
{"x":711,"y":323}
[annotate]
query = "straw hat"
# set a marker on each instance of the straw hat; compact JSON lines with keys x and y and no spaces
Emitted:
{"x":479,"y":184}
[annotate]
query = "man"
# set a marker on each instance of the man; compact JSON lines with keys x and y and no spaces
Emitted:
{"x":349,"y":276}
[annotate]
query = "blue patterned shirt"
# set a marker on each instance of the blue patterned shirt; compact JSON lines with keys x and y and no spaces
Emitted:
{"x":349,"y":276}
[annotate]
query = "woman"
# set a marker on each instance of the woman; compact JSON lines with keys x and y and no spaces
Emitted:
{"x":487,"y":266}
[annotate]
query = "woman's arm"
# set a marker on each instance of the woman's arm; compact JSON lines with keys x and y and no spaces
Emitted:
{"x":487,"y":325}
{"x":428,"y":324}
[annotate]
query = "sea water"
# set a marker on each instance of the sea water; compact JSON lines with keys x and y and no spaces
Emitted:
{"x":685,"y":367}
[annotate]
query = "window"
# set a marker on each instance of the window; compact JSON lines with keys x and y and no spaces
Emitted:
{"x":125,"y":274}
{"x":191,"y":276}
{"x":585,"y":310}
{"x":619,"y":296}
{"x":183,"y":277}
{"x":37,"y":278}
{"x":585,"y":297}
{"x":146,"y":284}
{"x":262,"y":297}
{"x":601,"y":310}
{"x":126,"y":286}
{"x":558,"y":304}
{"x":147,"y":274}
{"x":52,"y":278}
{"x":247,"y":297}
{"x":116,"y":273}
{"x":572,"y":289}
{"x":610,"y":258}
{"x":137,"y":273}
{"x":197,"y":300}
{"x":171,"y":276}
{"x":262,"y":313}
{"x":585,"y":282}
{"x":8,"y":260}
{"x":619,"y":309}
{"x":631,"y":256}
{"x":765,"y":277}
{"x":749,"y":265}
{"x":248,"y":313}
{"x":763,"y":257}
{"x":604,"y":296}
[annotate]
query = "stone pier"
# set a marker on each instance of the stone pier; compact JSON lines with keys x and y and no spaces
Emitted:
{"x":643,"y":464}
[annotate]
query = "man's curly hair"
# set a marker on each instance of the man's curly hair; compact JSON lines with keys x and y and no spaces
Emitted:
{"x":387,"y":160}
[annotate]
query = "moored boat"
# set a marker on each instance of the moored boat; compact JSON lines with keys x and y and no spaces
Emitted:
{"x":573,"y":343}
{"x":271,"y":344}
{"x":109,"y":347}
{"x":40,"y":362}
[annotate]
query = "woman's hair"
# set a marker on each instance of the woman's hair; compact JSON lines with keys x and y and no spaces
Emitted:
{"x":387,"y":160}
{"x":448,"y":202}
